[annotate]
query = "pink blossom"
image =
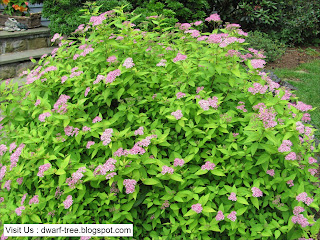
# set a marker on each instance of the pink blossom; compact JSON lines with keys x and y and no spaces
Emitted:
{"x":308,"y":201}
{"x":290,"y":183}
{"x":85,"y":129}
{"x":285,"y":146}
{"x":185,"y":26}
{"x":306,"y":117}
{"x":139,"y":131}
{"x":2,"y":172}
{"x":256,"y":192}
{"x":177,"y":114}
{"x":178,"y":162}
{"x":76,"y":177}
{"x":68,"y":202}
{"x":232,"y":197}
{"x":257,"y":63}
{"x":43,"y":168}
{"x":298,"y":210}
{"x":232,"y":216}
{"x":1,"y":199}
{"x":129,"y":185}
{"x":271,"y":172}
{"x":208,"y":166}
{"x":106,"y":136}
{"x":303,"y":107}
{"x":23,"y":198}
{"x":3,"y":149}
{"x":19,"y":181}
{"x":89,"y":144}
{"x":55,"y":37}
{"x":128,"y":63}
{"x":112,"y":75}
{"x":12,"y":147}
{"x":291,"y":156}
{"x":180,"y":95}
{"x":258,"y":88}
{"x":112,"y":59}
{"x":300,"y":219}
{"x":97,"y":119}
{"x":220,"y":216}
{"x":197,"y":208}
{"x":87,"y":91}
{"x":312,"y":171}
{"x":197,"y":23}
{"x":34,"y":200}
{"x":37,"y":102}
{"x":302,"y":197}
{"x":166,"y":169}
{"x":19,"y":210}
{"x":213,"y":17}
{"x":179,"y":57}
{"x":61,"y":105}
{"x":199,"y":89}
{"x":162,"y":63}
{"x":312,"y":160}
{"x":7,"y":185}
{"x":111,"y":175}
{"x":43,"y":116}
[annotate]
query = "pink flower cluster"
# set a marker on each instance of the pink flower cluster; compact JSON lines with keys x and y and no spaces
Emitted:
{"x":23,"y":198}
{"x":303,"y":197}
{"x":7,"y":185}
{"x":208,"y":166}
{"x":43,"y":168}
{"x":185,"y":26}
{"x":312,"y":160}
{"x":166,"y":169}
{"x":34,"y":200}
{"x":205,"y":104}
{"x":213,"y":18}
{"x":128,"y":63}
{"x":37,"y":102}
{"x":162,"y":63}
{"x":97,"y":119}
{"x":2,"y":172}
{"x":177,"y":114}
{"x":197,"y":208}
{"x":268,"y":117}
{"x":111,"y":175}
{"x":180,"y":95}
{"x":3,"y":149}
{"x":306,"y":117}
{"x":219,"y":216}
{"x":70,"y":131}
{"x":89,"y":144}
{"x":285,"y":146}
{"x":256,"y":192}
{"x":300,"y":219}
{"x":258,"y":63}
{"x":298,"y":210}
{"x":106,"y":136}
{"x":43,"y":116}
{"x":258,"y":88}
{"x":270,"y":172}
{"x":232,"y":197}
{"x":291,"y":156}
{"x":178,"y":162}
{"x":232,"y":216}
{"x":290,"y":183}
{"x":227,"y":41}
{"x":242,"y":107}
{"x":313,"y":171}
{"x":68,"y":202}
{"x":139,"y":131}
{"x":194,"y":33}
{"x":61,"y":105}
{"x":85,"y":129}
{"x":165,"y":205}
{"x":199,"y":89}
{"x":12,"y":147}
{"x":302,"y":106}
{"x":87,"y":91}
{"x":14,"y":158}
{"x":111,"y":59}
{"x":112,"y":75}
{"x":19,"y":210}
{"x":129,"y":185}
{"x":108,"y":166}
{"x":76,"y":177}
{"x":180,"y":57}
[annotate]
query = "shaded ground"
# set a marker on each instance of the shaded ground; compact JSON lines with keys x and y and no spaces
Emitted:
{"x":294,"y":57}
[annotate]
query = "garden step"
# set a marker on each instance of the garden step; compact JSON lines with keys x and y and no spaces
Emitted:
{"x":24,"y":40}
{"x":12,"y":64}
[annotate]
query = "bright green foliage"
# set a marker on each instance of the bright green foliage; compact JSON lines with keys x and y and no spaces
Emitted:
{"x":272,"y":48}
{"x":145,"y":95}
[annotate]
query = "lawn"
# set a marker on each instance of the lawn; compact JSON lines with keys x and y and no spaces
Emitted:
{"x":305,"y":77}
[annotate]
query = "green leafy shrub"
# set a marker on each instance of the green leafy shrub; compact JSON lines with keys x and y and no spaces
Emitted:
{"x":171,"y":130}
{"x":272,"y":48}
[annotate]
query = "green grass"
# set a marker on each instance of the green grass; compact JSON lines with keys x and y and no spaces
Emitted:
{"x":306,"y":78}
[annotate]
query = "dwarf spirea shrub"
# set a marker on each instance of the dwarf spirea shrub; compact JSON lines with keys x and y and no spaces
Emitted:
{"x":173,"y":130}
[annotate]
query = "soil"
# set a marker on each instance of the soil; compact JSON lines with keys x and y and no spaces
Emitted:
{"x":293,"y":57}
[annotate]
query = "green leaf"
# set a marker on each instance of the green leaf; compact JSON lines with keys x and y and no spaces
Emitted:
{"x":263,"y":158}
{"x":208,"y":209}
{"x":176,"y":177}
{"x":201,"y":172}
{"x":277,"y":234}
{"x":65,"y":162}
{"x":60,"y":172}
{"x":35,"y":218}
{"x":190,"y":213}
{"x":119,"y":93}
{"x":242,"y":200}
{"x":255,"y":202}
{"x":151,"y":181}
{"x":217,"y":172}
